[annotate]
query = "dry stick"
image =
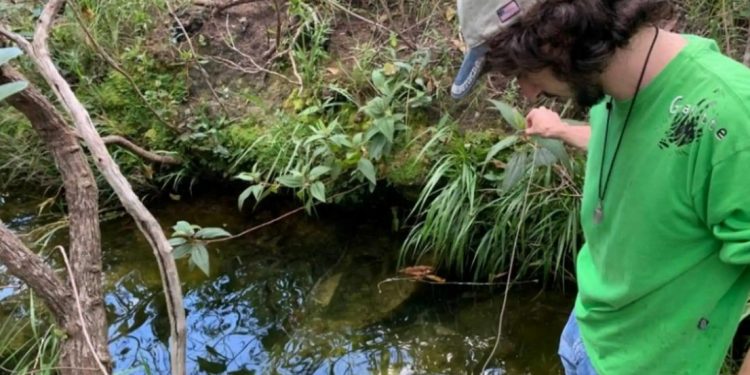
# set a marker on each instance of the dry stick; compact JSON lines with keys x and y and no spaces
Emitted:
{"x":80,"y":310}
{"x":282,"y":217}
{"x":461,"y":283}
{"x":234,"y":48}
{"x":510,"y":273}
{"x":145,"y":221}
{"x":194,"y":56}
{"x":222,"y":7}
{"x":117,"y":67}
{"x":138,"y":150}
{"x":376,"y":24}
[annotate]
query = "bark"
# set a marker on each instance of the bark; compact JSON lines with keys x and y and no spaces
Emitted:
{"x":81,"y":195}
{"x":141,"y":152}
{"x":39,"y":53}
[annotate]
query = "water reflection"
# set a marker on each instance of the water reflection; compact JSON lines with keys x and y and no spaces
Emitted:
{"x":301,"y":297}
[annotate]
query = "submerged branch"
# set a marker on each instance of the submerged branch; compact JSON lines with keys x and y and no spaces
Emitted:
{"x":461,"y":283}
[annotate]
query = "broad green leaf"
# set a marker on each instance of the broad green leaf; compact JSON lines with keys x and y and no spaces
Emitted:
{"x":318,"y":171}
{"x":377,"y":146}
{"x":7,"y":54}
{"x":247,"y":176}
{"x":340,"y":140}
{"x":211,"y":367}
{"x":515,"y":170}
{"x":499,"y":146}
{"x":184,"y":228}
{"x":543,"y":157}
{"x":378,"y":80}
{"x":387,"y":127}
{"x":255,"y":190}
{"x":291,"y":181}
{"x":556,"y":147}
{"x":177,"y":241}
{"x":208,"y":233}
{"x":182,"y":251}
{"x":365,"y":167}
{"x":9,"y":89}
{"x":318,"y":191}
{"x":510,"y":114}
{"x":199,"y":257}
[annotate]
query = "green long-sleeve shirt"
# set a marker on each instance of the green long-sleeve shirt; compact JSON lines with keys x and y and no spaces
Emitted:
{"x":663,"y":278}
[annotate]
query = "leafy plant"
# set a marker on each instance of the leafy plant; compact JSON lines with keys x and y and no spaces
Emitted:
{"x":470,"y":205}
{"x":8,"y":89}
{"x":190,"y":240}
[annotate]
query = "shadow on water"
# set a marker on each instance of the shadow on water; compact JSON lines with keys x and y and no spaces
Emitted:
{"x":301,"y":297}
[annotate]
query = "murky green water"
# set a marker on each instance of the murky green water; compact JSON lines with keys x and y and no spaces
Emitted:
{"x":301,"y":297}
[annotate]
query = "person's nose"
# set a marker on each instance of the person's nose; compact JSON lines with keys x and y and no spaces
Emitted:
{"x":529,"y":90}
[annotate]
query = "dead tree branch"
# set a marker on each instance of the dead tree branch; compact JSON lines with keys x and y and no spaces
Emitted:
{"x":141,"y":152}
{"x":39,"y":53}
{"x":746,"y":58}
{"x":81,"y":195}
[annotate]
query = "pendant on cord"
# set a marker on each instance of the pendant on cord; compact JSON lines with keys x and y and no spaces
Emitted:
{"x":599,"y":212}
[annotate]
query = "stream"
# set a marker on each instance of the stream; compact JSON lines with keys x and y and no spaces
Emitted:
{"x":302,"y":297}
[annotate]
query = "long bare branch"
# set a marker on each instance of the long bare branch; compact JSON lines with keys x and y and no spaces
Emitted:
{"x":31,"y":269}
{"x":746,"y":58}
{"x":141,"y":152}
{"x":39,"y":53}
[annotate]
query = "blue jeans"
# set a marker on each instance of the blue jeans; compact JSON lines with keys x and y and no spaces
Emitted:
{"x":572,"y":352}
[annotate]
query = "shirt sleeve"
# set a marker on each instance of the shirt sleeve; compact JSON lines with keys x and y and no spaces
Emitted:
{"x":725,"y":206}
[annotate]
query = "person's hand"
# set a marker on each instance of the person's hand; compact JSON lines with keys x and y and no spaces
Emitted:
{"x":544,"y":123}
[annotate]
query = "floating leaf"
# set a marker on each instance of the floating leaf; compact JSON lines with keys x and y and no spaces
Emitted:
{"x":9,"y":89}
{"x":208,"y":233}
{"x":318,"y":191}
{"x":510,"y":114}
{"x":199,"y":257}
{"x":367,"y":169}
{"x":499,"y":146}
{"x":515,"y":170}
{"x":211,"y":367}
{"x":7,"y":54}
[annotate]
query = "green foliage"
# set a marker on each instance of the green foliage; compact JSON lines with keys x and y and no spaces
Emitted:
{"x":472,"y":205}
{"x":29,"y":341}
{"x":8,"y":89}
{"x":191,"y":240}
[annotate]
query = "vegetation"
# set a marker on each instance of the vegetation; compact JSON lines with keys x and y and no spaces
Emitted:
{"x":314,"y":99}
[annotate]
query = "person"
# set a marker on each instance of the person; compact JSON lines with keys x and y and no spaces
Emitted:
{"x":662,"y":277}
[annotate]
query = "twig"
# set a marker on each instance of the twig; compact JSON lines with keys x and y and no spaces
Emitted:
{"x":141,"y":152}
{"x":524,"y":211}
{"x":282,"y":217}
{"x":152,"y":231}
{"x":194,"y":56}
{"x":406,"y":41}
{"x":117,"y":66}
{"x":462,"y":283}
{"x":80,"y":310}
{"x":228,"y":4}
{"x":296,"y":73}
{"x":234,"y":48}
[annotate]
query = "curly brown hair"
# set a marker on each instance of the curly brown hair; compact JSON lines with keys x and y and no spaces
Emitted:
{"x":574,"y":38}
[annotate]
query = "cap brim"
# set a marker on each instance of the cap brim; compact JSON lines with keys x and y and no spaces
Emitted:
{"x":471,"y":70}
